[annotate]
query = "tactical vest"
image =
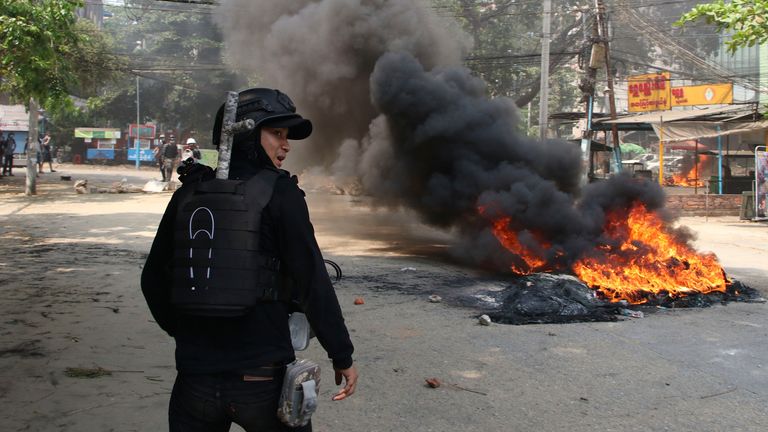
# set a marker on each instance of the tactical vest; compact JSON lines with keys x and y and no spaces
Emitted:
{"x":217,"y":267}
{"x":170,"y":151}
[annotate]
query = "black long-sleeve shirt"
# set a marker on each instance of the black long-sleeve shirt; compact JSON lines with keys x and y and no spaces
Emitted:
{"x":262,"y":337}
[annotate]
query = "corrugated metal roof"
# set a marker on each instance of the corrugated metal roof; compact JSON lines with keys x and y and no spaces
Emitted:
{"x":14,"y":118}
{"x":729,"y":112}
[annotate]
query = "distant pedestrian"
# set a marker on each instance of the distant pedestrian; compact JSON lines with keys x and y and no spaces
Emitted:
{"x":10,"y":149}
{"x":170,"y":155}
{"x":46,"y":153}
{"x":2,"y":148}
{"x":191,"y":152}
{"x":158,"y":152}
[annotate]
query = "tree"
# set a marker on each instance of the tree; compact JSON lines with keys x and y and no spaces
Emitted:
{"x":744,"y":18}
{"x":44,"y":55}
{"x":506,"y":37}
{"x":176,"y":52}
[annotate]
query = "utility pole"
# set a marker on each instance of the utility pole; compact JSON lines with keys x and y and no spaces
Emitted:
{"x":602,"y":27}
{"x":544,"y":90}
{"x":587,"y":87}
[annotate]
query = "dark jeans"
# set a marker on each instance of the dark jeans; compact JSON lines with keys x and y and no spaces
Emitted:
{"x":7,"y":164}
{"x":211,"y":403}
{"x":168,"y":168}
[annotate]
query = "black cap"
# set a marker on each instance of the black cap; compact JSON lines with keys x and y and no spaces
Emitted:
{"x":298,"y":127}
{"x":266,"y":107}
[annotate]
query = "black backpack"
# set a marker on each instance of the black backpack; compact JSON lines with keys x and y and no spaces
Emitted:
{"x":217,"y":267}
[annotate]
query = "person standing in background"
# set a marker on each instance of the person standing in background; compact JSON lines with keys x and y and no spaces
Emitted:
{"x":2,"y":148}
{"x":46,"y":153}
{"x":10,"y":149}
{"x":158,"y":151}
{"x":170,"y":155}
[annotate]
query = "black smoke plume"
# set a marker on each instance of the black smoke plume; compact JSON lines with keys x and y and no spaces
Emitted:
{"x":394,"y":108}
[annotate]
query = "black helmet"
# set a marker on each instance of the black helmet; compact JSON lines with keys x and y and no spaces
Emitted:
{"x":266,"y":107}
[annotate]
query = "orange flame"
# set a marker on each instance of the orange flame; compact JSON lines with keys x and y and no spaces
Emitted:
{"x":508,"y":238}
{"x":692,"y":178}
{"x":648,"y":261}
{"x":643,"y":260}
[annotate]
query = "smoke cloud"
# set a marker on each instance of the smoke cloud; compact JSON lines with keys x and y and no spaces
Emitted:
{"x":322,"y":53}
{"x":382,"y":81}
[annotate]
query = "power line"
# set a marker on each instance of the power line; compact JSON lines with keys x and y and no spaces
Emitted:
{"x":665,"y":42}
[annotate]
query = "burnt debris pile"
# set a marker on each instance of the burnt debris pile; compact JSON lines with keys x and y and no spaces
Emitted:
{"x":544,"y":298}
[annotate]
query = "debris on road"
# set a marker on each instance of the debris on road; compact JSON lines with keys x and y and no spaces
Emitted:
{"x":95,"y":372}
{"x":359,"y":301}
{"x":484,"y":320}
{"x":434,"y":298}
{"x":77,"y":372}
{"x":631,"y":313}
{"x":435,"y":383}
{"x":155,"y":186}
{"x":81,"y":186}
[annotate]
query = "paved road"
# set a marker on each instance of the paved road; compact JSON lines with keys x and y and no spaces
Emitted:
{"x":70,"y":297}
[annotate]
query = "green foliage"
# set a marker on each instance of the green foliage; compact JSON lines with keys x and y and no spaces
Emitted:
{"x":744,"y":18}
{"x":506,"y":37}
{"x":177,"y":56}
{"x":45,"y":53}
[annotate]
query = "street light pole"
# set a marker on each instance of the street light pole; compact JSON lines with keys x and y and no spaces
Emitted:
{"x":138,"y":125}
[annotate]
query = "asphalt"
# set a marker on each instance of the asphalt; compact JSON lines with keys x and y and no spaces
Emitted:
{"x":71,"y":259}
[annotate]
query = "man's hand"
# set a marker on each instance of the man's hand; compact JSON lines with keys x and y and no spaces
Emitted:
{"x":350,"y":379}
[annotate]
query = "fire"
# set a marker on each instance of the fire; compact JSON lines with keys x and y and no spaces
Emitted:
{"x":641,"y":259}
{"x":692,"y":178}
{"x":531,"y":262}
{"x":645,"y":261}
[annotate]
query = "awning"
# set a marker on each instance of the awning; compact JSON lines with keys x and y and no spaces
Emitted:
{"x":690,"y":145}
{"x":684,"y":131}
{"x":97,"y":133}
{"x":712,"y":113}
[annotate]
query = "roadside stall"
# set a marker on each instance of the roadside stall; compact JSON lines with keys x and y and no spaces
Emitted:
{"x":720,"y":142}
{"x":143,"y":140}
{"x":101,"y":144}
{"x":15,"y":119}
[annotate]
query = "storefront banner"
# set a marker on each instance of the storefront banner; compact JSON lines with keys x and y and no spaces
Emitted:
{"x":761,"y":182}
{"x":649,"y":92}
{"x":708,"y":94}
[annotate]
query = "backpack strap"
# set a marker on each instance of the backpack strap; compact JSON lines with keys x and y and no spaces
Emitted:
{"x":259,"y":190}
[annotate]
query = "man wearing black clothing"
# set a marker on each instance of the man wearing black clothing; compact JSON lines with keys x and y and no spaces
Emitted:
{"x":231,"y":369}
{"x":10,"y":149}
{"x":170,"y":158}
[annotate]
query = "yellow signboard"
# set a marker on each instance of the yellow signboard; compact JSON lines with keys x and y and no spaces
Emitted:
{"x":649,"y":92}
{"x":707,"y":94}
